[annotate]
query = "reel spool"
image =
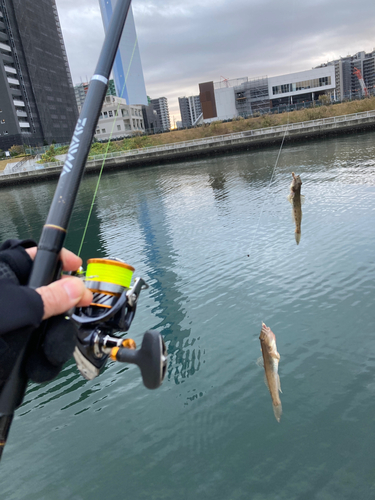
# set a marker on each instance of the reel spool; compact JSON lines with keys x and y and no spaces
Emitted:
{"x":112,"y":310}
{"x":107,"y":279}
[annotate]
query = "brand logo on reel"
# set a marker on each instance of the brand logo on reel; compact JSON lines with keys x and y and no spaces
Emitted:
{"x":73,"y":146}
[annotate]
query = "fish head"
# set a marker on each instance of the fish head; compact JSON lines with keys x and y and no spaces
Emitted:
{"x":296,"y":183}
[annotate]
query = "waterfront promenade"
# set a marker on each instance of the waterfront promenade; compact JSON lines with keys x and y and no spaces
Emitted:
{"x":246,"y":140}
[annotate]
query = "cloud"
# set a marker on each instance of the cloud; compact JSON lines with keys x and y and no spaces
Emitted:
{"x":185,"y":43}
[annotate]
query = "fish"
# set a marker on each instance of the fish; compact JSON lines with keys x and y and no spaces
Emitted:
{"x":296,"y":200}
{"x":271,"y":360}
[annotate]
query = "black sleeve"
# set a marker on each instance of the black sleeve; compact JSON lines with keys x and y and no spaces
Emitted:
{"x":21,"y":311}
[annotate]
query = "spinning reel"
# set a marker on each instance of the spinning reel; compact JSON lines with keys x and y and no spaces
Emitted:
{"x":112,"y":310}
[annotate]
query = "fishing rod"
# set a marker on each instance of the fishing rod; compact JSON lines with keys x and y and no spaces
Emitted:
{"x":114,"y":299}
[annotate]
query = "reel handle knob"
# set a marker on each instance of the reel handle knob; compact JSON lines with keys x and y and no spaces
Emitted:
{"x":151,"y":358}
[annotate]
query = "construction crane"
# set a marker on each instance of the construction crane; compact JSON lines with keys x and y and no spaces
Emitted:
{"x":358,"y":74}
{"x":225,"y":80}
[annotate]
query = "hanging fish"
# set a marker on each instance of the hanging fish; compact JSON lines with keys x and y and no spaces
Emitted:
{"x":296,"y":200}
{"x":271,"y":360}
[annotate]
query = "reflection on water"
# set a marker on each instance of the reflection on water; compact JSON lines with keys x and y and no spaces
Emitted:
{"x":214,"y":240}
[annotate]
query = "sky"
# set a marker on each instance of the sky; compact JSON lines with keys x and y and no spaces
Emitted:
{"x":185,"y":42}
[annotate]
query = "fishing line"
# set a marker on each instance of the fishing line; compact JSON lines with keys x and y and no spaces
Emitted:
{"x":106,"y":151}
{"x":269,"y":184}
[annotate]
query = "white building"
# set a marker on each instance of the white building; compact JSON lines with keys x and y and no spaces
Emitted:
{"x":127,"y":68}
{"x":246,"y":97}
{"x":118,"y":119}
{"x":308,"y":83}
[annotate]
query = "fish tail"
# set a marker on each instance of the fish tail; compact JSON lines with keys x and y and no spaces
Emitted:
{"x":297,"y":237}
{"x":277,"y":410}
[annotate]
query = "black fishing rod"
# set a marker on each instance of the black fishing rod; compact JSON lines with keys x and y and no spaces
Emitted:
{"x":114,"y":304}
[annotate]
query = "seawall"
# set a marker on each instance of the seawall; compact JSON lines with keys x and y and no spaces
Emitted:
{"x":247,"y":140}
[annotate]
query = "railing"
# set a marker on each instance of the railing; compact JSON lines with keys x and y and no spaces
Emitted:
{"x":228,"y":138}
{"x":17,"y":166}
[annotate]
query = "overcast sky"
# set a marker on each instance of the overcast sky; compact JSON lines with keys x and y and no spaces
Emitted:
{"x":185,"y":42}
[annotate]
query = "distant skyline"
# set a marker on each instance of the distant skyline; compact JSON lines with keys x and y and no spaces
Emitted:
{"x":185,"y":43}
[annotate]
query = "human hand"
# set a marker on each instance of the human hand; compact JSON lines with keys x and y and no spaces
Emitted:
{"x":68,"y":292}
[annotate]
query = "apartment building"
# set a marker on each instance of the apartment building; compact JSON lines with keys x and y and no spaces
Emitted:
{"x":160,"y":105}
{"x":190,"y":110}
{"x":37,"y":97}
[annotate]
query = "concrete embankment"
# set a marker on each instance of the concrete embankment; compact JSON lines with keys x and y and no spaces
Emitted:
{"x":246,"y":140}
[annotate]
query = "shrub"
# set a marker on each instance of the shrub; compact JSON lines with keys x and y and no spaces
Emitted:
{"x":16,"y":150}
{"x":49,"y":156}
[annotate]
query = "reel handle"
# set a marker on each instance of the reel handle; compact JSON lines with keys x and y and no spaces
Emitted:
{"x":151,"y":358}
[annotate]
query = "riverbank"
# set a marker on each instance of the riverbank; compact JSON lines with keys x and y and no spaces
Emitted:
{"x":246,"y":140}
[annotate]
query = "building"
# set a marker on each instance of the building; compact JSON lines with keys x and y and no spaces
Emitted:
{"x":190,"y":110}
{"x":37,"y":96}
{"x":160,"y":105}
{"x":127,"y":68}
{"x":151,"y":120}
{"x":252,"y":96}
{"x":118,"y":119}
{"x":80,"y":92}
{"x":244,"y":96}
{"x":111,"y":90}
{"x":81,"y":89}
{"x":348,"y":85}
{"x":304,"y":86}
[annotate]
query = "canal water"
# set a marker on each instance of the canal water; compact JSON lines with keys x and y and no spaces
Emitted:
{"x":214,"y":238}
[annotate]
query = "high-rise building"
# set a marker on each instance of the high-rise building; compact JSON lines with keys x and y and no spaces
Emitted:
{"x":111,"y":90}
{"x":190,"y":110}
{"x":160,"y":105}
{"x":37,"y":103}
{"x":80,"y":92}
{"x":127,"y":68}
{"x":348,"y":85}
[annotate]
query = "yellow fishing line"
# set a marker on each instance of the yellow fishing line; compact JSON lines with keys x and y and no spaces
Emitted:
{"x":109,"y":271}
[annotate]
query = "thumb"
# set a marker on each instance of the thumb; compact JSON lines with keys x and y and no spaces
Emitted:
{"x":60,"y":296}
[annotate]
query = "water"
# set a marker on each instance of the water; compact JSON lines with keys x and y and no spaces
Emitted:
{"x":215,"y":241}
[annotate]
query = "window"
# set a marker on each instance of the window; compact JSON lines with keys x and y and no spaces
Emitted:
{"x":98,"y":131}
{"x":105,"y":114}
{"x":103,"y":130}
{"x":110,"y":113}
{"x":118,"y":127}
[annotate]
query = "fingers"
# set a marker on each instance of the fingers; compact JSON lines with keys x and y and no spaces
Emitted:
{"x":71,"y":262}
{"x":61,"y":295}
